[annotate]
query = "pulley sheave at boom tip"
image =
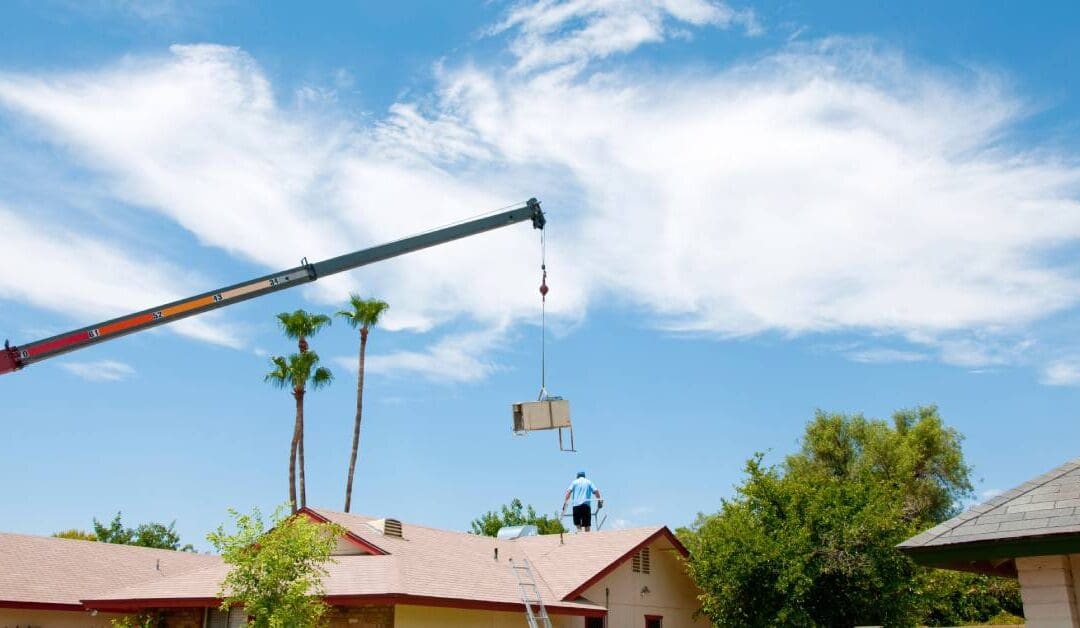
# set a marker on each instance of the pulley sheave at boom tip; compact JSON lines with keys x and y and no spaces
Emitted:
{"x":13,"y":358}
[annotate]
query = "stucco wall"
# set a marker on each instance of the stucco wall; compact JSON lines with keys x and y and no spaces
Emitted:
{"x":1048,"y":587}
{"x":671,"y":595}
{"x":431,"y":617}
{"x":11,"y":618}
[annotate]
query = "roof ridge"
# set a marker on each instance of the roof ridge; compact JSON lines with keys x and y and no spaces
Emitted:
{"x":88,"y":542}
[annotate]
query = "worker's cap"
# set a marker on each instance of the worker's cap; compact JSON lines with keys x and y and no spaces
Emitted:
{"x":581,"y":474}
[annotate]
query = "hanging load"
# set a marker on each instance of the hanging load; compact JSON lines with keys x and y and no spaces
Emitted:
{"x":548,"y":412}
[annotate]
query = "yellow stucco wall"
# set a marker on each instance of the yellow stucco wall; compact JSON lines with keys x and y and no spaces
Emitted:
{"x":671,"y":595}
{"x":11,"y":618}
{"x":432,"y":617}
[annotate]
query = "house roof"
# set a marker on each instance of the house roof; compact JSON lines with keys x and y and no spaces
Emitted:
{"x":47,"y":572}
{"x":1040,"y":516}
{"x":429,"y":566}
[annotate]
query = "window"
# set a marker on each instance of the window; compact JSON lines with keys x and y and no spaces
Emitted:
{"x":594,"y":622}
{"x":641,"y":562}
{"x":654,"y":621}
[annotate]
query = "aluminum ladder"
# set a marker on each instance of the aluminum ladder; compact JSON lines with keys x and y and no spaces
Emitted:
{"x":530,"y":595}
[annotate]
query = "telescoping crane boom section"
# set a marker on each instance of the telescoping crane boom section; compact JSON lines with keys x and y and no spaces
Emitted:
{"x":13,"y":358}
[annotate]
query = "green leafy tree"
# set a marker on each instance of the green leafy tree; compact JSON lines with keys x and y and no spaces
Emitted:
{"x":296,"y":373}
{"x":515,"y":514}
{"x":151,"y":534}
{"x":76,"y":534}
{"x":956,"y":598}
{"x":365,"y":314}
{"x":811,"y":542}
{"x":299,"y":326}
{"x":145,"y":619}
{"x":277,"y":567}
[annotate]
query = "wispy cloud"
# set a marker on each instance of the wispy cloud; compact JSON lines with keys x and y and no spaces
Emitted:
{"x":884,"y":356}
{"x":828,"y":187}
{"x":100,"y":370}
{"x":76,"y":274}
{"x":452,"y":359}
{"x":1062,"y":373}
{"x":574,"y":32}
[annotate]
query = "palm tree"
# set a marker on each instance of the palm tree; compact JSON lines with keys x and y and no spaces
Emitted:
{"x":364,"y":313}
{"x":296,"y":373}
{"x":299,"y":326}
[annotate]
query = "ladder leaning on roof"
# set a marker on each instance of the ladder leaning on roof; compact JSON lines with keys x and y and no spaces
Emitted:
{"x":530,"y":595}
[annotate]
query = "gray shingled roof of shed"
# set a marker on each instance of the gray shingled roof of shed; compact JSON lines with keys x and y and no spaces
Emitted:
{"x":1048,"y":505}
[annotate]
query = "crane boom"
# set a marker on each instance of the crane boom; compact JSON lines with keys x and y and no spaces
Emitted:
{"x":13,"y":358}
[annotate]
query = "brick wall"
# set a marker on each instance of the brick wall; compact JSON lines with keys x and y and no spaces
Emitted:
{"x":360,"y":617}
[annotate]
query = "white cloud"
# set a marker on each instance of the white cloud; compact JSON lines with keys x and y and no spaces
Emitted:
{"x":990,"y":493}
{"x":1062,"y":373}
{"x":554,"y":33}
{"x":100,"y":370}
{"x":827,"y":187}
{"x":77,"y":275}
{"x":458,"y":358}
{"x":884,"y":356}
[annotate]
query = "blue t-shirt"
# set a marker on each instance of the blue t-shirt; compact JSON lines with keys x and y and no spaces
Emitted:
{"x":581,"y":490}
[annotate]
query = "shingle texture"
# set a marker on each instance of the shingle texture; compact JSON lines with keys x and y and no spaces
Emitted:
{"x":432,"y":563}
{"x":48,"y":570}
{"x":1044,"y":506}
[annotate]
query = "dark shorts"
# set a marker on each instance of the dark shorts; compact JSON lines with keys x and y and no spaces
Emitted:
{"x":583,"y":516}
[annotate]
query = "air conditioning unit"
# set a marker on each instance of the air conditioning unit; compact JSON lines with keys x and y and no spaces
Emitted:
{"x":550,"y":414}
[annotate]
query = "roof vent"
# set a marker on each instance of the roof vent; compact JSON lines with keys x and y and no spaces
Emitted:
{"x":510,"y":533}
{"x":641,"y":562}
{"x":388,"y":526}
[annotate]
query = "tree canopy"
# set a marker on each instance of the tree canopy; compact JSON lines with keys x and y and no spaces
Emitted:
{"x":811,"y":541}
{"x":151,"y":534}
{"x":515,"y":514}
{"x":276,"y":567}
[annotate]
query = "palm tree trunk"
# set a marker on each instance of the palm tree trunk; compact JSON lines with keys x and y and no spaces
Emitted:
{"x":292,"y":454}
{"x":300,"y":447}
{"x":303,"y":346}
{"x":359,"y":415}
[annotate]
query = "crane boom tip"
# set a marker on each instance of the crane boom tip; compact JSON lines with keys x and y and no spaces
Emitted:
{"x":538,"y":218}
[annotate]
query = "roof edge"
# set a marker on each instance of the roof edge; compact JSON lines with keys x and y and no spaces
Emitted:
{"x":991,"y":549}
{"x":664,"y":531}
{"x":40,"y":606}
{"x":556,"y":608}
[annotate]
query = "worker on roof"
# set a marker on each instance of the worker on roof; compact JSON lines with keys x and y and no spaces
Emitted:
{"x":582,"y":490}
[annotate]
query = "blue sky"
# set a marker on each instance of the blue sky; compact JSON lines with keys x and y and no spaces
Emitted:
{"x":756,"y":210}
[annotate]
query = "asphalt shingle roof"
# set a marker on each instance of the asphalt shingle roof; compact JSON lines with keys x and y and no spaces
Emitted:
{"x":434,"y":564}
{"x":47,"y":570}
{"x":1048,"y":505}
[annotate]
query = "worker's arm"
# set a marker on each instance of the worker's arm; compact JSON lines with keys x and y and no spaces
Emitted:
{"x":599,"y":497}
{"x":565,"y":500}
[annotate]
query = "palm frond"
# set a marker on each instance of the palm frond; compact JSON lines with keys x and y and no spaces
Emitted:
{"x":364,"y":312}
{"x":302,"y":324}
{"x":321,"y":378}
{"x":280,"y":376}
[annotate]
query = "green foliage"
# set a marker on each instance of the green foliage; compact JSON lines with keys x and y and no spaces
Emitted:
{"x":144,"y":535}
{"x":75,"y":533}
{"x":811,"y":542}
{"x":298,"y":372}
{"x":515,"y":514}
{"x":364,"y":313}
{"x":301,"y":324}
{"x":955,"y":598}
{"x":277,"y":569}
